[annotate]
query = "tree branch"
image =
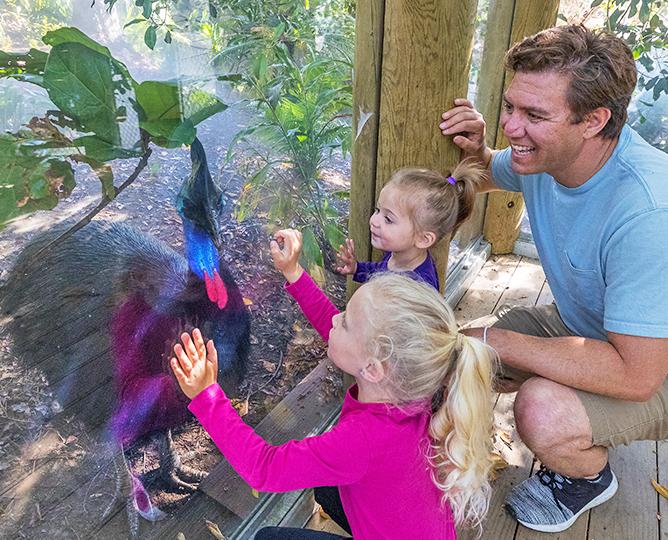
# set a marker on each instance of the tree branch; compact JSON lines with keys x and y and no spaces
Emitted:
{"x":103,"y":203}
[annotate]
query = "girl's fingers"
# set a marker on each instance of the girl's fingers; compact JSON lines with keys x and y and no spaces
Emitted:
{"x":189,"y":347}
{"x":199,"y":342}
{"x":183,"y":359}
{"x":178,"y":372}
{"x":212,"y":357}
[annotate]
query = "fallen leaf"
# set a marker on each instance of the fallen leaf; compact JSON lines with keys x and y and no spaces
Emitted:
{"x":506,"y":438}
{"x":498,"y":464}
{"x":248,"y":301}
{"x":269,"y":366}
{"x":214,"y":530}
{"x":180,"y":536}
{"x":241,"y":406}
{"x":661,"y":490}
{"x":255,"y":493}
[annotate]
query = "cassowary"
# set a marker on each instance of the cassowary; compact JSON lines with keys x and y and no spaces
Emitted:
{"x":131,"y":296}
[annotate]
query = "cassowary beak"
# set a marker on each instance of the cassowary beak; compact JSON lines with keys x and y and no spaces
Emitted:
{"x":215,"y":289}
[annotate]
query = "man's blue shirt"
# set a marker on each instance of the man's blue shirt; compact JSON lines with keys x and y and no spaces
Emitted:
{"x":603,"y":245}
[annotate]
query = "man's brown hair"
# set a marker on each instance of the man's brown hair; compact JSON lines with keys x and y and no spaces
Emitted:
{"x":600,"y":65}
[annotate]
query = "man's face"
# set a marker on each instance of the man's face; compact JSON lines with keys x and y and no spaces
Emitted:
{"x":537,"y":122}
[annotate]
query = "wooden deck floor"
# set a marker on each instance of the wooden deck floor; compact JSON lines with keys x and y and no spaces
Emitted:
{"x":634,"y":513}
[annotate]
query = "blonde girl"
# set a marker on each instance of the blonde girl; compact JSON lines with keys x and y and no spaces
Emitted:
{"x":415,"y":209}
{"x":411,"y":453}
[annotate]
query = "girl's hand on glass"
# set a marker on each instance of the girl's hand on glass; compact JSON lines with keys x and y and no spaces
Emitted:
{"x":346,"y":262}
{"x":285,"y":250}
{"x":195,"y":365}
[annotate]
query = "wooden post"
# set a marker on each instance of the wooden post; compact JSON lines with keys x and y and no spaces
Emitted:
{"x":488,"y":94}
{"x":366,"y":106}
{"x":504,"y":209}
{"x":425,"y":55}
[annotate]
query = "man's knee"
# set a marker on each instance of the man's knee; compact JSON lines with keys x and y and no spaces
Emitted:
{"x":548,"y":414}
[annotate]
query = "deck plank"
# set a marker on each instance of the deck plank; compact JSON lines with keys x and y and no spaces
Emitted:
{"x":631,"y":513}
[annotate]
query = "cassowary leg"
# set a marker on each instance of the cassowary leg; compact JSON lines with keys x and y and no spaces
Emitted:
{"x":172,"y":470}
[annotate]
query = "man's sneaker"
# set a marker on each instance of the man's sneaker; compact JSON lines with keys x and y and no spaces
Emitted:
{"x":550,"y":502}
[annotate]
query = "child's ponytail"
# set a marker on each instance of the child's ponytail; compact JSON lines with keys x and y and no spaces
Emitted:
{"x":436,"y":202}
{"x":413,"y":330}
{"x":461,"y":430}
{"x":468,"y":175}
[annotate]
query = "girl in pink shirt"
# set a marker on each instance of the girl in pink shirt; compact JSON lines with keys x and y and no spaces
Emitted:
{"x":411,"y":452}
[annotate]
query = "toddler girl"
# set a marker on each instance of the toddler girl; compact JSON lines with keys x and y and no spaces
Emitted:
{"x":415,"y":209}
{"x":411,"y":452}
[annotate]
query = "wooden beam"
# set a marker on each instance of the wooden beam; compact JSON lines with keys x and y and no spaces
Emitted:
{"x":420,"y":65}
{"x":504,"y":209}
{"x":366,"y":106}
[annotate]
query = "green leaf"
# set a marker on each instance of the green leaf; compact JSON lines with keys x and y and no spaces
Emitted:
{"x":147,"y":9}
{"x":162,"y":115}
{"x":74,"y":35}
{"x":87,"y":86}
{"x":311,"y":250}
{"x":334,"y":234}
{"x":28,"y":67}
{"x":134,"y":21}
{"x":30,"y":181}
{"x":101,"y":150}
{"x":150,"y":37}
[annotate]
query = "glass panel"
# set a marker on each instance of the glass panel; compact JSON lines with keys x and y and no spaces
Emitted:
{"x":648,"y":110}
{"x":472,"y":229}
{"x":86,"y":395}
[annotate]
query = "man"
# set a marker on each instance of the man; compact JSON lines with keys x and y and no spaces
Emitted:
{"x":591,"y":371}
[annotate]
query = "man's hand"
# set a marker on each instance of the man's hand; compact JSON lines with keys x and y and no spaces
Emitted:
{"x":195,"y":365}
{"x":286,"y":258}
{"x":468,"y":127}
{"x":346,"y":262}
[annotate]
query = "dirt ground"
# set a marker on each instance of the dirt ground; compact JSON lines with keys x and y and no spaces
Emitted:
{"x":57,"y":480}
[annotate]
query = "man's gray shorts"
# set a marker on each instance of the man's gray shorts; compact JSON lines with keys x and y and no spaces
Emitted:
{"x":613,"y":421}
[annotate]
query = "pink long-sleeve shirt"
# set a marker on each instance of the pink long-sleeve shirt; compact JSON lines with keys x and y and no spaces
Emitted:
{"x":375,"y":454}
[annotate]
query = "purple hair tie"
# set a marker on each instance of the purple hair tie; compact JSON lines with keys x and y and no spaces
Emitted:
{"x":451,"y":180}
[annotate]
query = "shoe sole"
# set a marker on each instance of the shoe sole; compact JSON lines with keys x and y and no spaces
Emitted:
{"x":558,"y":527}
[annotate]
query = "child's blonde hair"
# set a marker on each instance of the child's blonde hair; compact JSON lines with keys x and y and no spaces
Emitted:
{"x":435,"y":203}
{"x":413,"y":330}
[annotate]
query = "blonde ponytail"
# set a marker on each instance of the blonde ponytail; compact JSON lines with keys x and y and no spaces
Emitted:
{"x":461,"y":430}
{"x":414,"y":331}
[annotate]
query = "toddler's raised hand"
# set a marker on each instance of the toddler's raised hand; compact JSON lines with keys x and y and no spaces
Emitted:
{"x":346,"y":262}
{"x":286,"y":258}
{"x":195,"y":365}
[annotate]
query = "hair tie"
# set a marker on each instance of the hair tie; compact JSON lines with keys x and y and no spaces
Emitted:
{"x":451,"y":180}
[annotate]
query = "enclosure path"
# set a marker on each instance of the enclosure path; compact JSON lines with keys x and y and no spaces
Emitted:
{"x":634,"y":513}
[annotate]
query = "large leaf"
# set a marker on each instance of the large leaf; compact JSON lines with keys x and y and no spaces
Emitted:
{"x":170,"y":111}
{"x":74,"y":35}
{"x":30,"y":181}
{"x":28,"y":67}
{"x":90,"y":88}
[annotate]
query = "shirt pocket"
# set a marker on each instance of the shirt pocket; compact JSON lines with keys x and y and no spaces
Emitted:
{"x":584,"y":282}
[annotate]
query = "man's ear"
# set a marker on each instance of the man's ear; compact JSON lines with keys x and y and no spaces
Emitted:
{"x":374,"y":372}
{"x":424,"y":240}
{"x":595,"y":121}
